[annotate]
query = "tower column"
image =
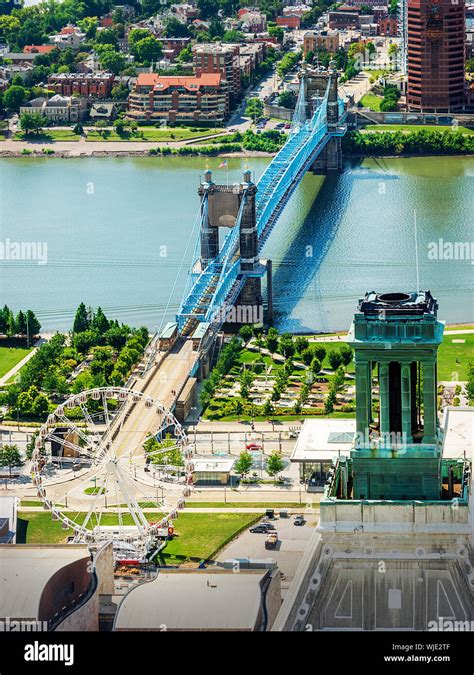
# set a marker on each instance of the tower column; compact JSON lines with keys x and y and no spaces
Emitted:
{"x":384,"y":406}
{"x":406,"y":403}
{"x":209,"y":235}
{"x":429,"y":401}
{"x":363,"y":396}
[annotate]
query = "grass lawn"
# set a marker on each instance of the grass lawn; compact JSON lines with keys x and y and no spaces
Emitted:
{"x":48,"y":135}
{"x":416,"y":127}
{"x":198,"y":535}
{"x":455,"y":357}
{"x":371,"y":101}
{"x":153,"y":134}
{"x":9,"y":357}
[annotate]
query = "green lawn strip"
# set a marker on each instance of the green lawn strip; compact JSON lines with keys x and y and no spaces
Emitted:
{"x":416,"y":127}
{"x":152,"y":134}
{"x":371,"y":101}
{"x":48,"y":135}
{"x":202,"y":535}
{"x":454,"y":357}
{"x":9,"y":357}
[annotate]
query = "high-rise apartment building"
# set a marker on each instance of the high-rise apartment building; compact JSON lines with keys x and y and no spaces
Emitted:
{"x":223,"y":59}
{"x":436,"y":55}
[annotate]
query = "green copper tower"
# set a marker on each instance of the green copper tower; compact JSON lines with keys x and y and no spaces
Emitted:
{"x":396,"y":455}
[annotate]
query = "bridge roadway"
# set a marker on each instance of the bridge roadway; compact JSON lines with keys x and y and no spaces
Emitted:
{"x":169,"y":374}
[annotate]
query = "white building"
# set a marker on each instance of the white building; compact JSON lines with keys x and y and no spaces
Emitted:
{"x":57,"y":108}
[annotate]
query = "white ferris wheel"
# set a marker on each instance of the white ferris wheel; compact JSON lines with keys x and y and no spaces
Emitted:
{"x":128,"y":469}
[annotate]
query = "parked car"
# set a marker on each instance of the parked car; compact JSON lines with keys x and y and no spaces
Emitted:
{"x":253,"y":446}
{"x":272,"y":540}
{"x":261,"y":528}
{"x":299,"y":519}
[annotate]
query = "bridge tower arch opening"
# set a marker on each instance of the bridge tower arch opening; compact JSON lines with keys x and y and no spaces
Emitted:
{"x":329,"y":159}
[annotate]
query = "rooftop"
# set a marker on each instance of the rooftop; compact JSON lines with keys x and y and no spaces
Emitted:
{"x":324,"y":439}
{"x":194,"y":600}
{"x":214,"y":465}
{"x":191,"y":83}
{"x":20,"y":589}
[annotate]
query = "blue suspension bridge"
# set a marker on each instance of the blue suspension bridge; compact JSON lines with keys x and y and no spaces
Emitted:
{"x":214,"y":285}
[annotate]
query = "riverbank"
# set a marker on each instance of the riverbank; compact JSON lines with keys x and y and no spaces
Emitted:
{"x":237,"y":144}
{"x":74,"y":150}
{"x":407,"y":143}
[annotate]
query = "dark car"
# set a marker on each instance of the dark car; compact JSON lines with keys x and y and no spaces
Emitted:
{"x":262,"y":528}
{"x":299,"y":519}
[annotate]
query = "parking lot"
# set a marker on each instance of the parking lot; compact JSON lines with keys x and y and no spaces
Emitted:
{"x":288,"y":553}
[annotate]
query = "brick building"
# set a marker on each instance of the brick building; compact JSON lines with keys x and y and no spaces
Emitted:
{"x":222,"y":59}
{"x":436,"y":55}
{"x":328,"y":40}
{"x":179,"y":99}
{"x":289,"y":21}
{"x":388,"y":26}
{"x":97,"y":85}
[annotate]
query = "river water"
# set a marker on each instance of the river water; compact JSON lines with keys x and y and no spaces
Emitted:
{"x":119,"y":233}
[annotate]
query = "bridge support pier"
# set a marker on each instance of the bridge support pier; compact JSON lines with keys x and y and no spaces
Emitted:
{"x":329,"y":159}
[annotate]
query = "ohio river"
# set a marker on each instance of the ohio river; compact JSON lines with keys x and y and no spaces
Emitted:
{"x":119,"y":234}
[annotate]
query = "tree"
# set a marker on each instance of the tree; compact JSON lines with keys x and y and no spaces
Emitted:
{"x":20,"y":323}
{"x":112,"y":61}
{"x":286,"y":346}
{"x":243,"y":465}
{"x":277,"y":32}
{"x":89,"y":25}
{"x":307,"y":356}
{"x":346,"y":354}
{"x":254,"y":108}
{"x":329,"y":402}
{"x":40,"y":405}
{"x":33,"y":326}
{"x":301,"y":343}
{"x":319,"y":351}
{"x":315,"y":366}
{"x":267,"y":408}
{"x":14,"y":97}
{"x":287,"y":99}
{"x":106,"y":37}
{"x":271,"y":340}
{"x":148,"y":49}
{"x":174,"y":28}
{"x":100,"y":322}
{"x":245,"y":380}
{"x":275,"y":463}
{"x":32,"y":122}
{"x":135,"y":35}
{"x":335,"y":359}
{"x":245,"y":333}
{"x":84,"y":340}
{"x":10,"y":456}
{"x":81,"y":320}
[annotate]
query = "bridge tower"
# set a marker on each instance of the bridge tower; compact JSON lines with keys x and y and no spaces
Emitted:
{"x":220,"y":206}
{"x":330,"y":158}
